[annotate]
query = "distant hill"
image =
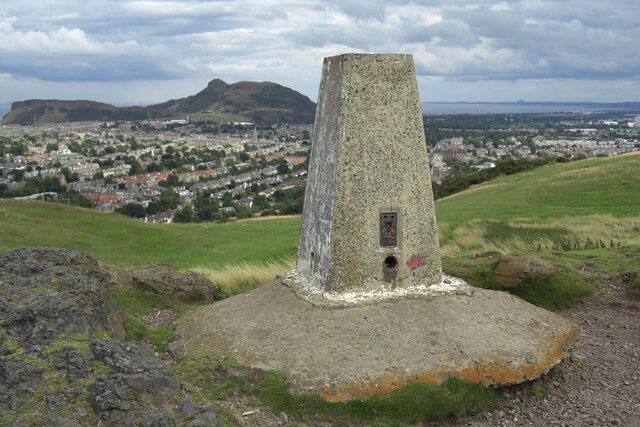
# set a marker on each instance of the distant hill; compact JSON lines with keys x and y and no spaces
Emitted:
{"x":219,"y":101}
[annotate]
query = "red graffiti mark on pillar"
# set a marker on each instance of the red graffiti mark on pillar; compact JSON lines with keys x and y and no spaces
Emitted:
{"x":415,"y":261}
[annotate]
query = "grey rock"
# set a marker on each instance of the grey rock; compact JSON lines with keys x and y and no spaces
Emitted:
{"x":512,"y":271}
{"x":71,"y":362}
{"x":144,"y":371}
{"x":48,"y":291}
{"x":109,"y":398}
{"x":15,"y":372}
{"x":127,"y":357}
{"x":155,"y":418}
{"x":18,"y":382}
{"x":54,"y":401}
{"x":206,"y":418}
{"x":58,"y":421}
{"x":186,"y":409}
{"x":164,"y":280}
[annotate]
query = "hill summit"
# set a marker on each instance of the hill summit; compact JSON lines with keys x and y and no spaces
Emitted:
{"x":219,"y":101}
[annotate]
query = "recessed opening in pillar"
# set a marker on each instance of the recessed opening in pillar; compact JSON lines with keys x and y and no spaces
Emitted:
{"x":390,"y":268}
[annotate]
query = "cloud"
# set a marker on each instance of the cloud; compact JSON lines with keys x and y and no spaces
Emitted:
{"x":284,"y":41}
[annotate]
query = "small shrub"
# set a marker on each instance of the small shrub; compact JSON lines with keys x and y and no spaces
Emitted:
{"x":159,"y":336}
{"x":557,"y":292}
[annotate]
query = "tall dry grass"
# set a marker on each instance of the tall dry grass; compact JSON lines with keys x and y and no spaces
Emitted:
{"x":234,"y":279}
{"x":570,"y":233}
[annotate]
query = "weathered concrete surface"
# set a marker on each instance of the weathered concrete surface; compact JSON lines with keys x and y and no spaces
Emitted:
{"x":346,"y":353}
{"x":368,"y":157}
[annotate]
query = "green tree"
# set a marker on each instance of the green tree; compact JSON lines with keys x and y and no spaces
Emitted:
{"x":68,"y":176}
{"x":135,"y":167}
{"x":171,"y":181}
{"x":283,"y":167}
{"x":261,"y":202}
{"x":17,"y":174}
{"x":154,"y":167}
{"x":52,"y":146}
{"x":184,"y":215}
{"x":153,"y":208}
{"x":134,"y":210}
{"x":168,"y":200}
{"x":227,"y":197}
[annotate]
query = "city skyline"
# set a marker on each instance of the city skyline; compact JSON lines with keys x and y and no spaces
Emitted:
{"x":148,"y":51}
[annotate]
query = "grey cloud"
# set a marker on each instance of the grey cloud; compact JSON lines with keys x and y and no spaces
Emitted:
{"x":450,"y":34}
{"x":363,"y":9}
{"x":473,"y":40}
{"x":488,"y":23}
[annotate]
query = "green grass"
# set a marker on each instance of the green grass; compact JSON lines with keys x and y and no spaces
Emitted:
{"x":128,"y":242}
{"x":557,"y":292}
{"x":414,"y":403}
{"x":202,"y":376}
{"x":159,"y":336}
{"x":602,"y":186}
{"x":133,"y":329}
{"x":241,"y":277}
{"x":579,"y":205}
{"x":137,"y":301}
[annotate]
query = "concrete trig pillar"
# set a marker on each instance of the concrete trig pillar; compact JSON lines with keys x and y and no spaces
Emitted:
{"x":369,"y":218}
{"x":368,"y":309}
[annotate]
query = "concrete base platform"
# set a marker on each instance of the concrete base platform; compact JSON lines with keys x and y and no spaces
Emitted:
{"x":357,"y":351}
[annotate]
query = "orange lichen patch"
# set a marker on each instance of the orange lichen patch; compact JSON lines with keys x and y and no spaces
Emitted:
{"x":495,"y":372}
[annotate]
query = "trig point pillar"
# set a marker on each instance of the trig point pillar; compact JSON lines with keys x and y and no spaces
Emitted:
{"x":368,"y":309}
{"x":369,"y":218}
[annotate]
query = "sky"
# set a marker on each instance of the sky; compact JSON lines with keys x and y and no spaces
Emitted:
{"x":139,"y":52}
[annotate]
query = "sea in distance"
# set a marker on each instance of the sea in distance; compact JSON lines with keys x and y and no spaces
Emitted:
{"x":521,"y":107}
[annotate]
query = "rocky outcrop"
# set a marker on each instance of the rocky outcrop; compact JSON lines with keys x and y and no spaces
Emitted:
{"x":52,"y":302}
{"x":45,"y":292}
{"x":164,"y":280}
{"x":512,"y":270}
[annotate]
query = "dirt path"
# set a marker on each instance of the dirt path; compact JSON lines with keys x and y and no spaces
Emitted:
{"x":599,"y":384}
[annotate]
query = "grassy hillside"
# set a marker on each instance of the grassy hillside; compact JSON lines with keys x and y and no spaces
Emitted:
{"x":566,"y":205}
{"x":128,"y":242}
{"x":585,"y":204}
